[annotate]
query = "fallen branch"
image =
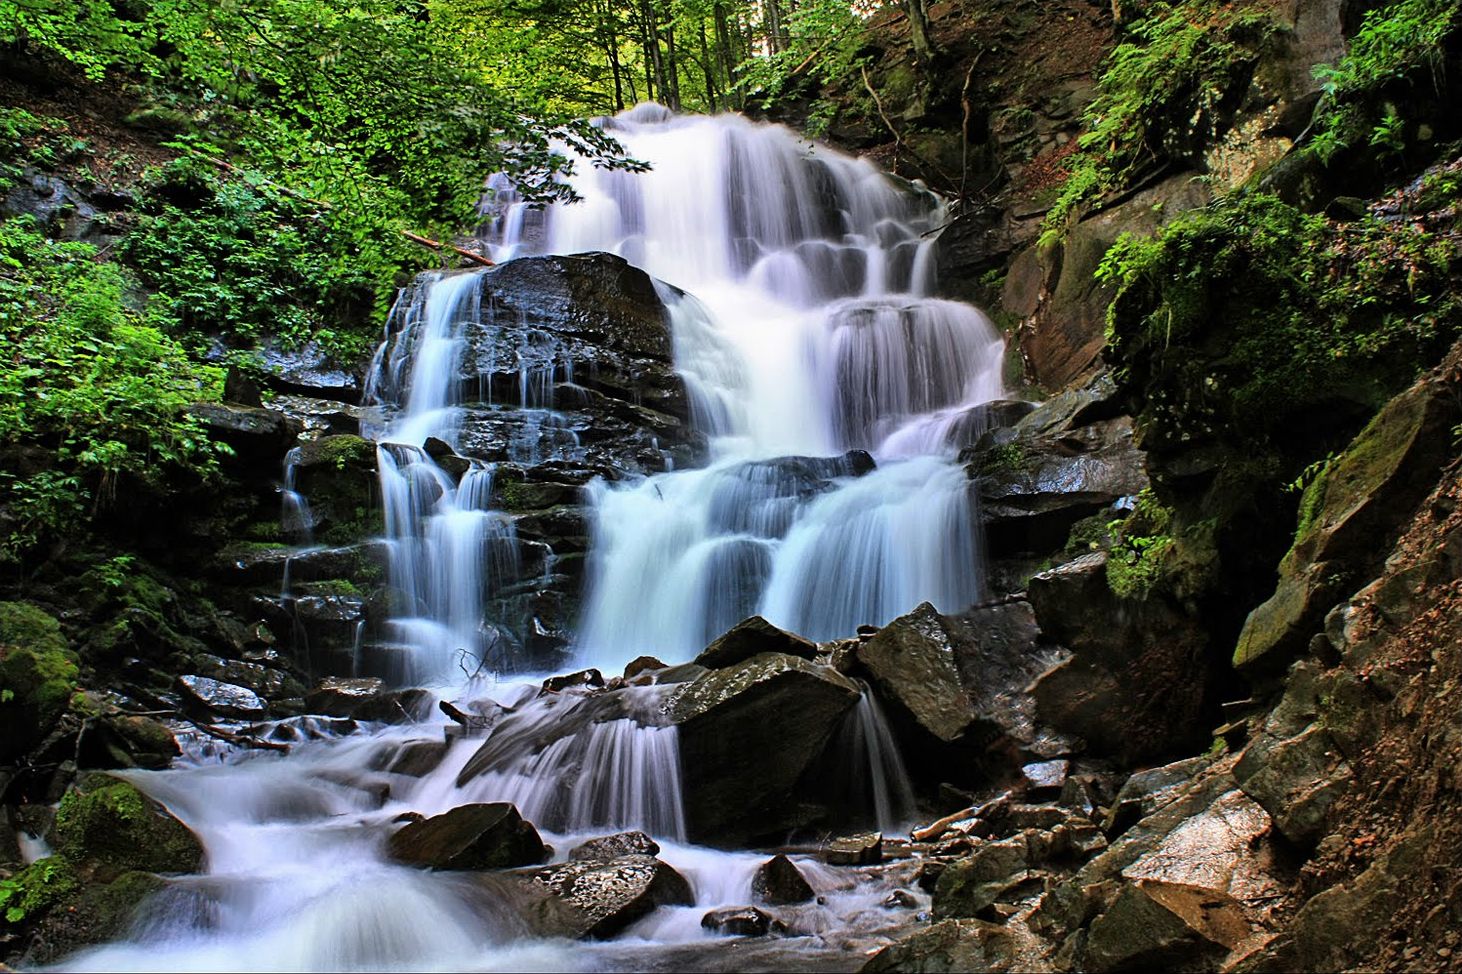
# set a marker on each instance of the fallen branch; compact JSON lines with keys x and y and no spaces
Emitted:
{"x":438,"y":245}
{"x":964,"y":128}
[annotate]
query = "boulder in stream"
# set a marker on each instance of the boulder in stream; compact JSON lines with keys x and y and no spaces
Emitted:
{"x":746,"y":639}
{"x":742,"y":921}
{"x":605,"y":896}
{"x":778,"y":881}
{"x":489,"y":835}
{"x":748,"y":734}
{"x":607,"y":847}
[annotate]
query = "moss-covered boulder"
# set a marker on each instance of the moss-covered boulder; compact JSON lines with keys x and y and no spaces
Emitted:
{"x":37,"y":676}
{"x":1351,"y":508}
{"x":49,"y":909}
{"x":109,"y":827}
{"x":337,"y":474}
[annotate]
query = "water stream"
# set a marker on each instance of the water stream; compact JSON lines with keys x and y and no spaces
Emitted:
{"x":799,"y":287}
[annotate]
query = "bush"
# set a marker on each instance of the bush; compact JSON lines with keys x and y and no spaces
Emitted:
{"x":92,"y":377}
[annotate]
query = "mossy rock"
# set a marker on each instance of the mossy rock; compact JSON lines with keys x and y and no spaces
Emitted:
{"x":111,"y":825}
{"x":37,"y":676}
{"x":50,"y":904}
{"x":34,"y":890}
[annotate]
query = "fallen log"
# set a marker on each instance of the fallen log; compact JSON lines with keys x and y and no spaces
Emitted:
{"x":438,"y":245}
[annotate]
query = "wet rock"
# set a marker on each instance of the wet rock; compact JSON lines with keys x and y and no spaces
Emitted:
{"x":480,"y":836}
{"x":742,"y":921}
{"x":642,"y":664}
{"x":395,"y":707}
{"x":952,"y":945}
{"x":1034,"y":487}
{"x":1121,"y":650}
{"x":114,"y":828}
{"x":778,"y":881}
{"x":589,"y":679}
{"x":604,"y":897}
{"x":1349,"y":512}
{"x":415,"y":759}
{"x":616,"y":846}
{"x":223,"y":699}
{"x":263,"y":680}
{"x":1294,"y":767}
{"x":864,"y":849}
{"x":748,"y":734}
{"x":67,"y":910}
{"x":118,"y":740}
{"x":257,"y":435}
{"x":1147,"y":791}
{"x":959,"y":677}
{"x":308,"y":370}
{"x":339,"y":696}
{"x":1045,"y":779}
{"x":969,"y":887}
{"x":747,"y":639}
{"x":39,"y":671}
{"x":1138,"y":933}
{"x":900,"y":899}
{"x":325,"y":417}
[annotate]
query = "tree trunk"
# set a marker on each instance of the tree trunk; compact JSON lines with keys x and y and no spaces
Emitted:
{"x":708,"y":70}
{"x":672,"y":69}
{"x":727,"y":55}
{"x":919,"y":33}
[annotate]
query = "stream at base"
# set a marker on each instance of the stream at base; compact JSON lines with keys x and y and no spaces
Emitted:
{"x":298,"y":878}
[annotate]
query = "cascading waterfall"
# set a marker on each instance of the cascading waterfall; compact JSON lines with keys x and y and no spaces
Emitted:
{"x":835,"y":393}
{"x":806,"y":330}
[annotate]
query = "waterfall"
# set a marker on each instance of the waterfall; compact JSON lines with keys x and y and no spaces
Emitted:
{"x":804,"y":327}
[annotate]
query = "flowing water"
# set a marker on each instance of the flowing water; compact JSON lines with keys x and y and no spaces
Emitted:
{"x":835,"y":391}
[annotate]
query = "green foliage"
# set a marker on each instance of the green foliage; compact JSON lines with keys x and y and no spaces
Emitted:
{"x":1162,"y":92}
{"x":36,"y":888}
{"x":825,"y":41}
{"x":245,"y":261}
{"x":1399,"y":45}
{"x":1327,"y":314}
{"x":92,"y":377}
{"x":1141,"y":550}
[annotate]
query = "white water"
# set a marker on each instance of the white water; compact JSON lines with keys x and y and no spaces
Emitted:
{"x":808,"y":330}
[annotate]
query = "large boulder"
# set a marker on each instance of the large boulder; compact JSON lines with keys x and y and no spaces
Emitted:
{"x":778,"y":881}
{"x":480,"y":836}
{"x":113,"y":828}
{"x":961,"y":678}
{"x":620,"y":844}
{"x":1136,"y":684}
{"x":748,"y":734}
{"x":598,"y":898}
{"x":747,"y":639}
{"x":38,"y":672}
{"x":1350,"y":511}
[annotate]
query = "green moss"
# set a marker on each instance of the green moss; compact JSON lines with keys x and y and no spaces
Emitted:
{"x":1006,"y":457}
{"x":23,"y":624}
{"x":330,"y":586}
{"x":37,"y":676}
{"x":1094,"y":533}
{"x":117,"y":826}
{"x":36,"y":889}
{"x":342,"y":452}
{"x":1142,"y":549}
{"x":1333,"y":318}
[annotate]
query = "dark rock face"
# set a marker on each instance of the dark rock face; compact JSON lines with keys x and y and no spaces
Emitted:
{"x":602,"y":897}
{"x":969,"y":887}
{"x":1136,"y":683}
{"x":778,"y":881}
{"x":1064,"y":460}
{"x":748,"y":733}
{"x":307,"y":370}
{"x":257,"y":435}
{"x":480,"y":836}
{"x":747,"y":639}
{"x":338,"y":696}
{"x":584,"y":336}
{"x":951,"y":945}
